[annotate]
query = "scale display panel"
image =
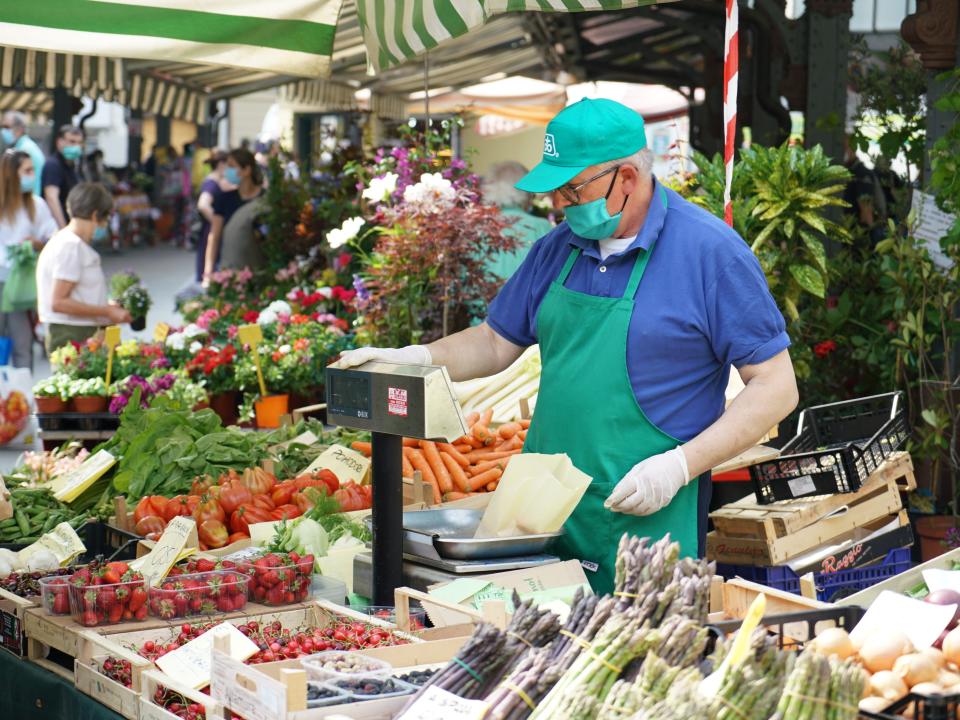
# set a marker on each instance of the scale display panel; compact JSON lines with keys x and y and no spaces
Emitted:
{"x":350,"y":395}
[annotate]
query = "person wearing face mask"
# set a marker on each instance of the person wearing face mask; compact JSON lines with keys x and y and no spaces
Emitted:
{"x":23,"y":218}
{"x":210,"y":189}
{"x":13,"y":132}
{"x":641,"y":302}
{"x":71,"y":287}
{"x":235,"y":212}
{"x":61,"y":171}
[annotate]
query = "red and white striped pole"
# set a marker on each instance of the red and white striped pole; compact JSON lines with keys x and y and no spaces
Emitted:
{"x":731,"y":70}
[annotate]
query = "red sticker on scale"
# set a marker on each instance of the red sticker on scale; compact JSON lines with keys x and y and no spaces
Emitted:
{"x":397,"y":401}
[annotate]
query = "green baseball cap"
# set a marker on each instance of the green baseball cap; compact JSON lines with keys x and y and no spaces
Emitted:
{"x":584,"y":134}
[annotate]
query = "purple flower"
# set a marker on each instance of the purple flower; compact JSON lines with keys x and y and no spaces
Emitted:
{"x":118,"y":403}
{"x":160,"y":364}
{"x":362,"y":293}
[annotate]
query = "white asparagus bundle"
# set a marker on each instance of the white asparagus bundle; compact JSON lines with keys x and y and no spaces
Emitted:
{"x":503,"y":391}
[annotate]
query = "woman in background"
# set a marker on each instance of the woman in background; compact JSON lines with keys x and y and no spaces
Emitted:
{"x":232,"y":231}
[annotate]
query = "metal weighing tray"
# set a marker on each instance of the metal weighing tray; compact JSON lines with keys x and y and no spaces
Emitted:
{"x":448,"y":534}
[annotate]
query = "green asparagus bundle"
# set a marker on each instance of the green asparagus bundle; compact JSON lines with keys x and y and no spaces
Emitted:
{"x":847,"y":680}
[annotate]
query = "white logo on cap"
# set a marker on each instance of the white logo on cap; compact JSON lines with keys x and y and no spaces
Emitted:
{"x":549,"y":146}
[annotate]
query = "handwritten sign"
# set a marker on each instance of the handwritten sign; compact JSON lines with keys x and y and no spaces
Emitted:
{"x":345,"y":463}
{"x":68,"y":487}
{"x":180,"y":532}
{"x":62,"y":541}
{"x":252,"y":335}
{"x":436,"y":703}
{"x":160,"y":332}
{"x":191,"y":663}
{"x":931,"y":225}
{"x":111,"y":338}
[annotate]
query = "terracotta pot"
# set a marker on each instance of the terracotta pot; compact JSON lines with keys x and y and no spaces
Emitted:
{"x":270,"y":409}
{"x":201,"y":406}
{"x":226,"y":406}
{"x":50,"y":405}
{"x":89,"y":404}
{"x":932,"y":530}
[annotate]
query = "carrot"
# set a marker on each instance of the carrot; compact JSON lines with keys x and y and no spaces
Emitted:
{"x":522,"y":435}
{"x":411,"y":443}
{"x":420,"y":463}
{"x":486,"y":416}
{"x":362,"y":447}
{"x":478,"y":456}
{"x":474,"y":443}
{"x":430,"y":452}
{"x":525,"y":423}
{"x":463,"y":447}
{"x":472,"y":419}
{"x":457,"y":473}
{"x":484,"y":466}
{"x":407,"y":467}
{"x":482,"y":433}
{"x":508,"y":430}
{"x":447,"y":497}
{"x":514,"y":443}
{"x":454,"y":453}
{"x":493,"y":486}
{"x":479,"y":481}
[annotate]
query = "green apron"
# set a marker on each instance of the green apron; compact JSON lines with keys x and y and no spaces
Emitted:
{"x":587,"y":409}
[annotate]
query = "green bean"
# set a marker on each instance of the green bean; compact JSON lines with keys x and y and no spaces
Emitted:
{"x":22,"y":521}
{"x":8,"y":523}
{"x":51,"y":522}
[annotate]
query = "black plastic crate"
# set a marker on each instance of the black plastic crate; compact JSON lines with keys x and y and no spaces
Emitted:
{"x":836,"y":448}
{"x":99,"y":539}
{"x":807,"y":621}
{"x":78,"y":422}
{"x":918,"y":707}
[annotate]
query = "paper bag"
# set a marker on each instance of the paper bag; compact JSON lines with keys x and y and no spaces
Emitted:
{"x":536,"y":495}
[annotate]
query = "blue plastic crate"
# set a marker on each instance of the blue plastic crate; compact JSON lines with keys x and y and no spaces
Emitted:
{"x":830,"y":586}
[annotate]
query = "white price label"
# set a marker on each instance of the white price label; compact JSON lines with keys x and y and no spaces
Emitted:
{"x":191,"y":663}
{"x":801,"y":486}
{"x":436,"y":703}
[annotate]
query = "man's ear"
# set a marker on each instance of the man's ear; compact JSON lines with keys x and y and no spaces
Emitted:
{"x":631,"y":179}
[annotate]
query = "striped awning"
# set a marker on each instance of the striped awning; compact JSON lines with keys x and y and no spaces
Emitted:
{"x":94,"y":76}
{"x":398,"y":30}
{"x":320,"y":94}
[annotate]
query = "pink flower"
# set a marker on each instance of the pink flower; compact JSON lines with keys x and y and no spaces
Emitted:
{"x":232,"y":332}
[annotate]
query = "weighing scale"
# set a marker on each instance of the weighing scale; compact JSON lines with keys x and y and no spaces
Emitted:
{"x":394,"y":401}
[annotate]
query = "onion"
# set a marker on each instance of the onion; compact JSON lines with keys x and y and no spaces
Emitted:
{"x":887,"y":685}
{"x":834,"y":641}
{"x":916,"y":668}
{"x":927,"y":688}
{"x":936,"y":655}
{"x":948,"y":678}
{"x":951,"y":647}
{"x":874,"y":704}
{"x":881,"y":651}
{"x":946,"y":597}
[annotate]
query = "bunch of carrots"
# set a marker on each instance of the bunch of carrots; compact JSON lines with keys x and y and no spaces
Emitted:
{"x":467,"y":466}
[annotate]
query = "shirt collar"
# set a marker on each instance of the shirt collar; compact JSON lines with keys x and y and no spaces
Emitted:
{"x":649,"y":231}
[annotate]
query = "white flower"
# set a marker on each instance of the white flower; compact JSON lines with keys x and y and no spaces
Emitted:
{"x":346,"y":232}
{"x":284,"y":349}
{"x":434,"y":192}
{"x":196,"y":347}
{"x":193,"y":330}
{"x":280,"y":307}
{"x":267,"y":317}
{"x":381,"y":188}
{"x":177,"y":341}
{"x":326,"y":292}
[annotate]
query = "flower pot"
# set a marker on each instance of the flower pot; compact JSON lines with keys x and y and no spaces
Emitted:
{"x":50,"y":405}
{"x":932,"y":530}
{"x":226,"y":405}
{"x":201,"y":406}
{"x":89,"y":404}
{"x":139,"y":323}
{"x":270,"y":409}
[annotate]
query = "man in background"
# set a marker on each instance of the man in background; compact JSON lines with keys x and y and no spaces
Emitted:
{"x":14,"y":131}
{"x":61,"y":171}
{"x":514,"y":204}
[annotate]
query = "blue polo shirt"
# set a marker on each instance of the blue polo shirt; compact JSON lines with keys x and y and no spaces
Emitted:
{"x":702,"y":306}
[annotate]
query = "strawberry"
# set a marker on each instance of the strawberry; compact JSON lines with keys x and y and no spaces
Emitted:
{"x":115,"y":613}
{"x":111,"y":577}
{"x":205,"y":565}
{"x":61,"y":604}
{"x":141,"y":613}
{"x":270,"y":578}
{"x":138,"y":596}
{"x":165,"y":609}
{"x":88,"y":618}
{"x":196,"y":603}
{"x":118,"y":566}
{"x":274,"y":596}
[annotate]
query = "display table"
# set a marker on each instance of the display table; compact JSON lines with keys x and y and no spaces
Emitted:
{"x":32,"y":692}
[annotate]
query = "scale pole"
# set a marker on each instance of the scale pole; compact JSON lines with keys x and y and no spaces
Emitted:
{"x":387,"y":452}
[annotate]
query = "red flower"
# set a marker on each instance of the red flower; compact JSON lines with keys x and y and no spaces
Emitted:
{"x":277,"y":356}
{"x":251,"y":316}
{"x":341,"y":323}
{"x":299,"y":319}
{"x":822,"y":349}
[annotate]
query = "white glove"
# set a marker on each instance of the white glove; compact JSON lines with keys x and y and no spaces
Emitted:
{"x":651,"y":484}
{"x":409,"y":355}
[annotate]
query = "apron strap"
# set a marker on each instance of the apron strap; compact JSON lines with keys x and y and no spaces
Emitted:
{"x":568,"y":265}
{"x":638,"y":269}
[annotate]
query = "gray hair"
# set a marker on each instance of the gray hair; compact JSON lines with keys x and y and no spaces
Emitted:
{"x":17,"y":119}
{"x":642,"y":160}
{"x":498,"y":185}
{"x":87,"y":199}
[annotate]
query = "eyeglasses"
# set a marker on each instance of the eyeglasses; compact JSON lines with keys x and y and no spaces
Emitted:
{"x":571,"y":193}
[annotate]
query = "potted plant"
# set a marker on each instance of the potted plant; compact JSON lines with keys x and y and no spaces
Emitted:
{"x":215,"y":369}
{"x":89,"y":395}
{"x":51,"y":394}
{"x":130,"y":294}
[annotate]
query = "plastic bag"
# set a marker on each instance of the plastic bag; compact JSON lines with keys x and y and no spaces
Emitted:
{"x":20,"y":289}
{"x":17,"y":426}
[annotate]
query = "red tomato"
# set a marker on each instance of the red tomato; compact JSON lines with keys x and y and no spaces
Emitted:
{"x":150,"y":505}
{"x":213,"y":533}
{"x":282,"y":492}
{"x":246,"y":515}
{"x":180,"y":505}
{"x":264,"y":501}
{"x":208,"y":509}
{"x":330,"y":479}
{"x":237,"y":537}
{"x":302,"y":501}
{"x":286,"y":511}
{"x":150,"y":524}
{"x":305,"y":481}
{"x":346,"y":500}
{"x":233,"y":496}
{"x":201,"y":485}
{"x":258,"y":480}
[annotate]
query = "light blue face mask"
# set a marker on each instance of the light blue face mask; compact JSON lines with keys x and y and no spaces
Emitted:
{"x":100,"y":234}
{"x":27,"y":183}
{"x":592,"y":220}
{"x":7,"y":135}
{"x":232,"y":175}
{"x":72,"y":152}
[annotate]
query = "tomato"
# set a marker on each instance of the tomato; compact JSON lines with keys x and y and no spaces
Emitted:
{"x":208,"y":509}
{"x":258,"y":480}
{"x":233,"y":496}
{"x":282,"y":492}
{"x":180,"y":505}
{"x":246,"y":515}
{"x":150,"y":524}
{"x":330,"y":479}
{"x":321,"y":479}
{"x":286,"y":511}
{"x":213,"y":533}
{"x":201,"y":485}
{"x":150,"y":505}
{"x":237,"y":537}
{"x":346,"y":500}
{"x":264,"y":501}
{"x":302,"y":501}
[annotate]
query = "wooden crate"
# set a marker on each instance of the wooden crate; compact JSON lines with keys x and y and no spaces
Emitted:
{"x":747,"y":532}
{"x":148,"y":710}
{"x":90,"y":681}
{"x":12,"y":609}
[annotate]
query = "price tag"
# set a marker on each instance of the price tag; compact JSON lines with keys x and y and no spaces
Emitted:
{"x":160,"y":332}
{"x":180,"y":532}
{"x":191,"y":663}
{"x":62,"y":541}
{"x":252,"y":335}
{"x":68,"y":487}
{"x":346,"y":463}
{"x":436,"y":703}
{"x":111,"y":338}
{"x":262,"y":533}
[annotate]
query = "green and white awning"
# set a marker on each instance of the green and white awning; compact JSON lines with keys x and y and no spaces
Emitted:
{"x":287,"y":37}
{"x":398,"y":30}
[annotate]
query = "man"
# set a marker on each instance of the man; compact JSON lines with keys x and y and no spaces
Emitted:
{"x":640,"y":302}
{"x":60,"y":172}
{"x":14,"y":131}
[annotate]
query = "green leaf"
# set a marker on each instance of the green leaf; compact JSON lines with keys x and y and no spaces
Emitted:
{"x":929,"y":417}
{"x":813,"y":220}
{"x":809,"y":278}
{"x":816,"y":249}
